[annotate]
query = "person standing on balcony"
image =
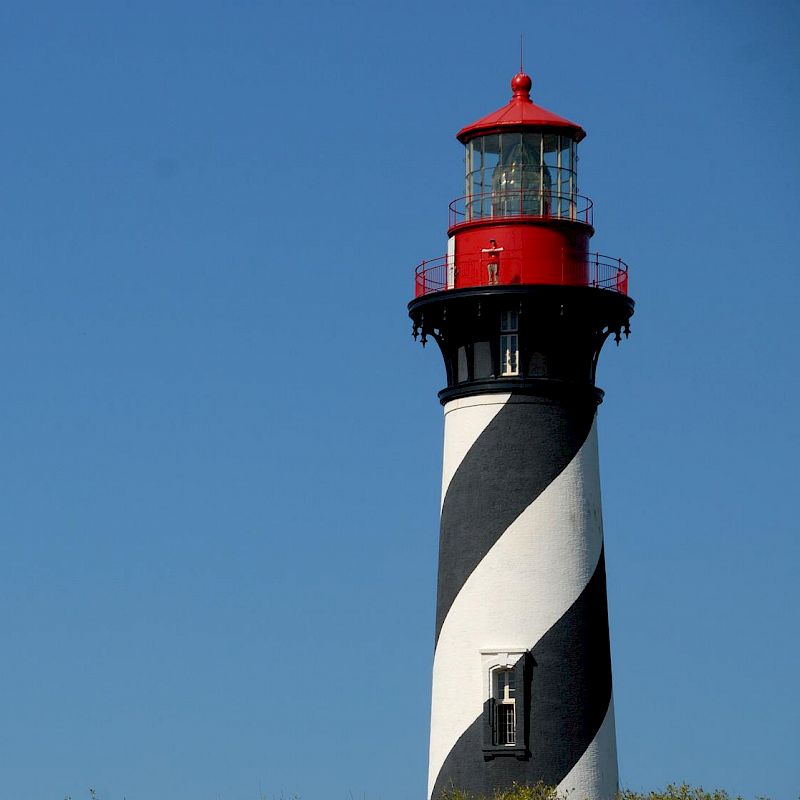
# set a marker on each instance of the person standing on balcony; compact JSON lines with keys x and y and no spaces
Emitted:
{"x":493,"y":262}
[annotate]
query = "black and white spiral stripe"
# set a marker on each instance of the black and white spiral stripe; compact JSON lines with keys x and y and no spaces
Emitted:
{"x":521,"y":568}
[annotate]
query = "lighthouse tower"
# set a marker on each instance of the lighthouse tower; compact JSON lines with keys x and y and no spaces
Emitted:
{"x":520,"y":309}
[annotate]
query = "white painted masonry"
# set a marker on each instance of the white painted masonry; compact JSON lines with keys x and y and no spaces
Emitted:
{"x":548,"y":554}
{"x":464,"y":421}
{"x":595,"y":775}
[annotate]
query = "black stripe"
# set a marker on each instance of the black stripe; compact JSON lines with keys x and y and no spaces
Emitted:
{"x":570,"y":693}
{"x":521,"y":451}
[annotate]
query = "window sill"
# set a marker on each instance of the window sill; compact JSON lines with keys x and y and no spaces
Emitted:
{"x":517,"y":751}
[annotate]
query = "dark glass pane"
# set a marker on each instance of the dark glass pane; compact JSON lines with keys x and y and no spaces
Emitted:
{"x":551,"y":149}
{"x":462,"y":364}
{"x":506,"y":725}
{"x":474,"y":150}
{"x":482,"y":356}
{"x":537,"y":366}
{"x":566,"y":153}
{"x":508,"y":321}
{"x":491,"y":151}
{"x":533,"y":141}
{"x":516,"y":180}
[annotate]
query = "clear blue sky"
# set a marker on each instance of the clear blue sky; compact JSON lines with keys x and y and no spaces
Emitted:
{"x":221,"y":449}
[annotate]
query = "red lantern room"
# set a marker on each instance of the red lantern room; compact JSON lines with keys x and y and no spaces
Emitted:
{"x":521,"y":228}
{"x":520,"y":197}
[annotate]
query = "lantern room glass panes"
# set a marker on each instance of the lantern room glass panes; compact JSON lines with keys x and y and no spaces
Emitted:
{"x":520,"y":174}
{"x":567,"y":185}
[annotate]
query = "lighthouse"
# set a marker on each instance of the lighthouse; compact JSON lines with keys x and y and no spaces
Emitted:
{"x":520,"y":308}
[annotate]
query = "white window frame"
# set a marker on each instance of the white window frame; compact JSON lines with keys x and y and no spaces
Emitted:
{"x":509,"y":343}
{"x":451,"y":262}
{"x":492,"y":662}
{"x":504,"y":702}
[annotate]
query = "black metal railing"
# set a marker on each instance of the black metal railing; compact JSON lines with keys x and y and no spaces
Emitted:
{"x":447,"y":272}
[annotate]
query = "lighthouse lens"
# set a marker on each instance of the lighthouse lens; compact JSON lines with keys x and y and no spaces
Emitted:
{"x":514,"y":174}
{"x":520,"y":184}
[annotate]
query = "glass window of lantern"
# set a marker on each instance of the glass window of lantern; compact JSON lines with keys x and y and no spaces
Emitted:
{"x":564,"y":204}
{"x":491,"y":158}
{"x":533,"y":146}
{"x":511,"y":174}
{"x":491,"y":151}
{"x":474,"y":179}
{"x":516,"y":180}
{"x":474,"y":164}
{"x":534,"y":189}
{"x":467,"y":167}
{"x":502,"y":179}
{"x":551,"y":174}
{"x":551,"y":148}
{"x":565,"y":157}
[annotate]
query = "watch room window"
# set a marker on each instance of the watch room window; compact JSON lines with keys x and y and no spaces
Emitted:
{"x":509,"y":343}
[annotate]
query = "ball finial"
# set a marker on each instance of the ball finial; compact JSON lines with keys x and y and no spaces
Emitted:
{"x":521,"y":85}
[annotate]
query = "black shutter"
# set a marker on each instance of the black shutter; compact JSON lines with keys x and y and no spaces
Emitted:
{"x":489,"y":722}
{"x":522,"y":697}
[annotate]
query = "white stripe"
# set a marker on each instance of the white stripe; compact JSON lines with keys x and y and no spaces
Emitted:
{"x":465,"y":420}
{"x":595,"y":775}
{"x":521,"y":588}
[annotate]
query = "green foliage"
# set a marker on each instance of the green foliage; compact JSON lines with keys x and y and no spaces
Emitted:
{"x":677,"y":792}
{"x":537,"y":792}
{"x":542,"y":792}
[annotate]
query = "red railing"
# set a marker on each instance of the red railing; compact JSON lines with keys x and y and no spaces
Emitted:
{"x":446,"y":272}
{"x":519,"y":203}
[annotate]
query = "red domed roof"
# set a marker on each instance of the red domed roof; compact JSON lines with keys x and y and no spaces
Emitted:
{"x":521,"y":112}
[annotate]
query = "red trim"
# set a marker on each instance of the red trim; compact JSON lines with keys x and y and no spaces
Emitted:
{"x":549,"y":222}
{"x":477,"y":129}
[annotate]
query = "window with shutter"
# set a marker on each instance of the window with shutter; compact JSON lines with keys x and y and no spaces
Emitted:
{"x":505,"y":704}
